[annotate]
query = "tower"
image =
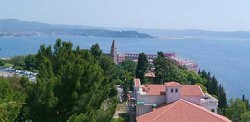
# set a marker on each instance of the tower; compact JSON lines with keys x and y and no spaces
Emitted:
{"x":113,"y":52}
{"x":173,"y":90}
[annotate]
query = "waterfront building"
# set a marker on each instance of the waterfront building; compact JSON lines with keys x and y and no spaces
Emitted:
{"x":118,"y":57}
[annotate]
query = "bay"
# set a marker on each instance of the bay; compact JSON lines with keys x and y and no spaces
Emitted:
{"x":227,"y":59}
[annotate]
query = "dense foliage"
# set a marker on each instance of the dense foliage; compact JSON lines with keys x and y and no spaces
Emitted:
{"x":238,"y":110}
{"x":11,"y":99}
{"x":73,"y":84}
{"x":127,"y":73}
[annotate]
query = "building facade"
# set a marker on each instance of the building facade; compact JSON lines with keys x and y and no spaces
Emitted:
{"x":150,"y":96}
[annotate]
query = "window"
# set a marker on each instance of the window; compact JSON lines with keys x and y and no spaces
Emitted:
{"x":172,"y":90}
{"x":212,"y":110}
{"x":176,"y":90}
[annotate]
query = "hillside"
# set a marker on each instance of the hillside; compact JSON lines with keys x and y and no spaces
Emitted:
{"x":190,"y":33}
{"x":12,"y":27}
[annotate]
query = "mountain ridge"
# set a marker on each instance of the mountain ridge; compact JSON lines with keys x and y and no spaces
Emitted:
{"x":17,"y":27}
{"x":13,"y":27}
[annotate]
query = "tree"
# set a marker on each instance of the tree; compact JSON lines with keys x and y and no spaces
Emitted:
{"x":192,"y":78}
{"x":72,"y":84}
{"x":222,"y":100}
{"x":142,"y":66}
{"x":167,"y":69}
{"x":78,"y":118}
{"x":246,"y":102}
{"x":96,"y":51}
{"x":30,"y":62}
{"x":11,"y":101}
{"x":18,"y":62}
{"x":1,"y":62}
{"x":235,"y":109}
{"x":213,"y":88}
{"x":210,"y":82}
{"x":128,"y":65}
{"x":160,"y":65}
{"x":245,"y":117}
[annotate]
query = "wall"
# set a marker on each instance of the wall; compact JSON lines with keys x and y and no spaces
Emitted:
{"x":192,"y":99}
{"x":151,"y":99}
{"x":209,"y":105}
{"x":171,"y":97}
{"x":142,"y":109}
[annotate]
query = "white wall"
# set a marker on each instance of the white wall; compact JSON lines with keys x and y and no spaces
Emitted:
{"x":172,"y":96}
{"x":151,"y":99}
{"x":142,"y":109}
{"x":209,"y":105}
{"x":192,"y":99}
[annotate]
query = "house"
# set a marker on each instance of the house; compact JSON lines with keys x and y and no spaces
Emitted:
{"x":150,"y":96}
{"x":181,"y":111}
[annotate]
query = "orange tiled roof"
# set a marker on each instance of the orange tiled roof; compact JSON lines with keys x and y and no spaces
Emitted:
{"x":191,"y":90}
{"x":181,"y":111}
{"x":187,"y":90}
{"x":172,"y":83}
{"x":154,"y":89}
{"x":137,"y":82}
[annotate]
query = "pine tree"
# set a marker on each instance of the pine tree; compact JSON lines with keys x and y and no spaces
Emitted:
{"x":246,"y":102}
{"x":72,"y":83}
{"x":222,"y":103}
{"x":142,"y":66}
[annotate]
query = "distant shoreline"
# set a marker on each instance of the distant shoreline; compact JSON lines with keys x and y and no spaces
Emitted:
{"x":4,"y":58}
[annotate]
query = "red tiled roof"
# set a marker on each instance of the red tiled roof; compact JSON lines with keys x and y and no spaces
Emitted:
{"x":172,"y":83}
{"x":181,"y":111}
{"x":191,"y":90}
{"x":154,"y":89}
{"x":137,"y":82}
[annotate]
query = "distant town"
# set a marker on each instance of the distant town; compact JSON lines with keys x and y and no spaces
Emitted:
{"x":119,"y":57}
{"x":10,"y":72}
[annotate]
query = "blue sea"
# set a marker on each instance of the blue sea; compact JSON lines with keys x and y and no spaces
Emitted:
{"x":227,"y":59}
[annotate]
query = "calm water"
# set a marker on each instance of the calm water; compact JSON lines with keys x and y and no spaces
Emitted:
{"x":227,"y":59}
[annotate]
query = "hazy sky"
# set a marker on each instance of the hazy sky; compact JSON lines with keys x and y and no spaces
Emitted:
{"x":165,"y":14}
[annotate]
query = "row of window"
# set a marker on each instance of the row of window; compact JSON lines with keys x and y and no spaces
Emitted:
{"x":172,"y":90}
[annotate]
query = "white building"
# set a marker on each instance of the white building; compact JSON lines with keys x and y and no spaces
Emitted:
{"x":150,"y":96}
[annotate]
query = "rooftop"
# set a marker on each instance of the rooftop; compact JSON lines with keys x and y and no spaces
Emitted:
{"x":186,"y":90}
{"x":172,"y":83}
{"x":179,"y":111}
{"x":191,"y":90}
{"x":154,"y":89}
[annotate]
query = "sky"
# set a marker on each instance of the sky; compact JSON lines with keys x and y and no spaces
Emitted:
{"x":220,"y":15}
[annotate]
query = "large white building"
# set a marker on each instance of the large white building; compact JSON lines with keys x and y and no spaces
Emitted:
{"x":118,"y":57}
{"x":151,"y":96}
